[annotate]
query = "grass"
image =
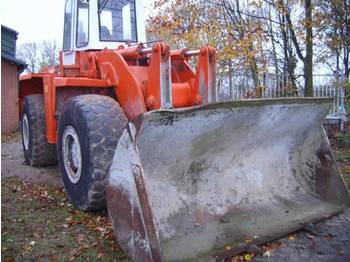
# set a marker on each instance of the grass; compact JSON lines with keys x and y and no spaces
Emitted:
{"x":341,"y":149}
{"x":342,"y":139}
{"x":7,"y":137}
{"x":39,"y":224}
{"x":342,"y":156}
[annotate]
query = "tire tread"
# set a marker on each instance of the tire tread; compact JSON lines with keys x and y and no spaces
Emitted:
{"x":105,"y":122}
{"x":42,"y":152}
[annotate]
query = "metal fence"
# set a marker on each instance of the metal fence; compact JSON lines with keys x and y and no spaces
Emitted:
{"x":273,"y":86}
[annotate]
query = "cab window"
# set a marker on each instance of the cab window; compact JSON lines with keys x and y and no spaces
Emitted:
{"x":117,"y":20}
{"x":67,"y":32}
{"x":83,"y":23}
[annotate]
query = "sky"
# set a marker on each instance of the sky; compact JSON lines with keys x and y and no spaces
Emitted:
{"x":34,"y":20}
{"x":37,"y":20}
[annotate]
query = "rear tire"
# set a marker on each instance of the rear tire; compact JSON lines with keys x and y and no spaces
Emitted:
{"x":88,"y":132}
{"x":37,"y":151}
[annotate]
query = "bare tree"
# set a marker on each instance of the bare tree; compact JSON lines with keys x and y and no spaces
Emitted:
{"x":29,"y":53}
{"x":307,"y":57}
{"x":48,"y":54}
{"x":39,"y":56}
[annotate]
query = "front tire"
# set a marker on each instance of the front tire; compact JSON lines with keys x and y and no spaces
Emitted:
{"x":88,"y":132}
{"x":37,"y":151}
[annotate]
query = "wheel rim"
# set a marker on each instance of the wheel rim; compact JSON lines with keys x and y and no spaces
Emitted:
{"x":71,"y":152}
{"x":25,"y":132}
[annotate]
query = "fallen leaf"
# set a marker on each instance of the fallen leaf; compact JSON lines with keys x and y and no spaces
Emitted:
{"x":235,"y":259}
{"x":267,"y":254}
{"x":100,"y":255}
{"x":228,"y":247}
{"x":340,"y":252}
{"x":247,"y":257}
{"x":74,"y":254}
{"x":26,"y":249}
{"x":309,"y":236}
{"x":9,"y":259}
{"x":80,"y":238}
{"x":292,"y":237}
{"x":328,"y":236}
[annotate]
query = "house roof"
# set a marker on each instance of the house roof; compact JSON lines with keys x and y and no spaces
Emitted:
{"x":20,"y":64}
{"x":9,"y":29}
{"x":8,"y":46}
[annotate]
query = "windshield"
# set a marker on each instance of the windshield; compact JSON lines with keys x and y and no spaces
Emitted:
{"x":117,"y":20}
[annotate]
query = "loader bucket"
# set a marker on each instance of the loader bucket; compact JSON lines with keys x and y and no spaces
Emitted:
{"x":205,"y":183}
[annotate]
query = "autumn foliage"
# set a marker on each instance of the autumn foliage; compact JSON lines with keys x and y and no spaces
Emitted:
{"x":284,"y":37}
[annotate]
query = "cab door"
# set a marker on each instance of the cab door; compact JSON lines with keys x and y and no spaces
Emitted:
{"x":68,"y":55}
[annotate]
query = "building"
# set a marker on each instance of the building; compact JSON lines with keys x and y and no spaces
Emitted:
{"x":10,"y":69}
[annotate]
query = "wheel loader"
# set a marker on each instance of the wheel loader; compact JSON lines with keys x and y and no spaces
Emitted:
{"x":136,"y":129}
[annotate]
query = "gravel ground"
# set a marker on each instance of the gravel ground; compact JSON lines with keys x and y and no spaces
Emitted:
{"x":12,"y":165}
{"x":328,"y":240}
{"x":325,"y":241}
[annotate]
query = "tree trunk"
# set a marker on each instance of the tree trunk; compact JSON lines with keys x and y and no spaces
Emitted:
{"x":308,"y":64}
{"x":230,"y":78}
{"x":274,"y":55}
{"x":346,"y":64}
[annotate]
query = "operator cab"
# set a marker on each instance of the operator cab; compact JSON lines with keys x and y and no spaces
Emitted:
{"x":99,"y":24}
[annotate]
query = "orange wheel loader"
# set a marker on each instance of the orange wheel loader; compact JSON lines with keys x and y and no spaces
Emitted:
{"x":184,"y":177}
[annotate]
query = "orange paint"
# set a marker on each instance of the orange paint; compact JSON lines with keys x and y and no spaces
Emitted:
{"x":137,"y":75}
